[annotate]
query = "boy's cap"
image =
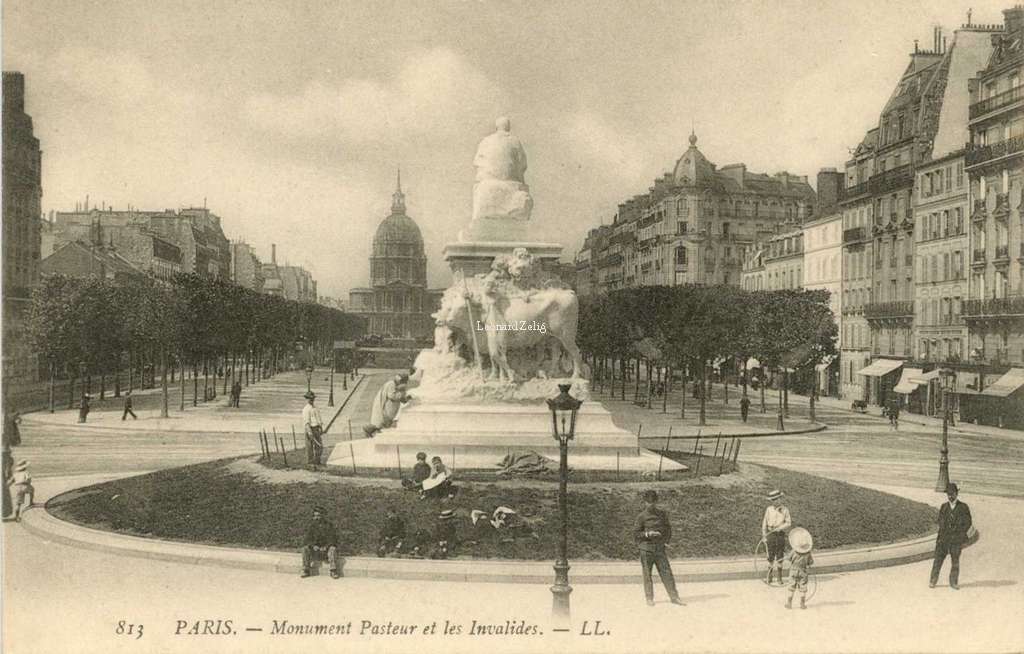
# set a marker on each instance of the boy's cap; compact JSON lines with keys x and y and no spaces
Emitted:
{"x":775,"y":495}
{"x":800,"y":540}
{"x":447,"y":514}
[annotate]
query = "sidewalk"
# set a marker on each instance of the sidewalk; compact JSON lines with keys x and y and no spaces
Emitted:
{"x":274,"y":403}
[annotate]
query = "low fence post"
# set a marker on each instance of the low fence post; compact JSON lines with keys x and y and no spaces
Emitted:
{"x":700,"y":455}
{"x":284,"y":454}
{"x":351,"y":451}
{"x":736,"y":453}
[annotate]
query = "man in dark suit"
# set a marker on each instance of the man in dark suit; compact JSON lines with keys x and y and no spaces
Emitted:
{"x":954,"y":522}
{"x":652,"y":532}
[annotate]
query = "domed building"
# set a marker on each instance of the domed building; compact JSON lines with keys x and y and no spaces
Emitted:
{"x":397,"y":305}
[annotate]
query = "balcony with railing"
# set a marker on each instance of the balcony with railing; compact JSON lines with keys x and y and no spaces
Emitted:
{"x":983,"y":154}
{"x":1002,"y":254}
{"x":997,"y":101}
{"x":900,"y":310}
{"x":1006,"y":307}
{"x":1002,"y":208}
{"x":978,"y":257}
{"x":853,"y":235}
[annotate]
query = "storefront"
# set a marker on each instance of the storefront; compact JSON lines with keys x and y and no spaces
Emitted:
{"x":912,"y":394}
{"x":1006,"y":399}
{"x":879,"y":379}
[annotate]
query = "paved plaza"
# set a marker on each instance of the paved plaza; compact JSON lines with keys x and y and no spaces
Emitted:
{"x":848,"y":612}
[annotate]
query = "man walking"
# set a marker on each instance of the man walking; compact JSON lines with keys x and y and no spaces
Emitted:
{"x":954,"y":523}
{"x":652,"y":532}
{"x":744,"y":407}
{"x":236,"y":393}
{"x":314,"y":427}
{"x":321,"y":542}
{"x":128,"y":407}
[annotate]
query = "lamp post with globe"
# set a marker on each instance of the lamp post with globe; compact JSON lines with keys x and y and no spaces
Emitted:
{"x":563,"y":417}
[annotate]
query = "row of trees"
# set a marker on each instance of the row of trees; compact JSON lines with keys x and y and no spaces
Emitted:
{"x":693,"y":327}
{"x":94,"y":326}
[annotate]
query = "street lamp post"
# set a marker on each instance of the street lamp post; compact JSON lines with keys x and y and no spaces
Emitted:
{"x":948,"y":379}
{"x":334,"y":361}
{"x":563,"y":419}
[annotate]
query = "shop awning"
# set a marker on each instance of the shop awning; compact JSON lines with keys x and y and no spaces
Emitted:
{"x":926,"y":377}
{"x":1007,"y":384}
{"x":880,"y":367}
{"x":825,"y":363}
{"x":906,"y":384}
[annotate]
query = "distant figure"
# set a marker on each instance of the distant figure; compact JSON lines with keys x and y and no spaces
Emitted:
{"x":800,"y":561}
{"x":653,"y":531}
{"x":744,"y":407}
{"x":12,"y":429}
{"x":83,"y":408}
{"x":236,"y":393}
{"x":321,"y":542}
{"x":954,"y":523}
{"x":894,"y":414}
{"x":21,"y":484}
{"x":774,"y":525}
{"x":128,"y":407}
{"x":313,"y":425}
{"x":392,"y":533}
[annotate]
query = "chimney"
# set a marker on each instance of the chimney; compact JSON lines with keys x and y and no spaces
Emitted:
{"x":1014,"y":19}
{"x":830,"y":183}
{"x":273,"y":253}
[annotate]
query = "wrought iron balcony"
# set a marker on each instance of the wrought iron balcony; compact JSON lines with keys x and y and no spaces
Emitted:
{"x":997,"y":101}
{"x":1007,"y":307}
{"x":897,"y":310}
{"x":1002,"y":210}
{"x":981,"y":154}
{"x":1002,"y":252}
{"x":853,"y":235}
{"x":980,"y":211}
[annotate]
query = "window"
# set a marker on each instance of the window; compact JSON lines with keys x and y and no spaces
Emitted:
{"x":725,"y":229}
{"x":681,"y":227}
{"x":960,"y":174}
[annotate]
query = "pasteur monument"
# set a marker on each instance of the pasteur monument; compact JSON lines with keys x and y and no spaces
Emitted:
{"x":504,"y":339}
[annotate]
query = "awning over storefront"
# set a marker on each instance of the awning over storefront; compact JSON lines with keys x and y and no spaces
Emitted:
{"x":925,"y":378}
{"x":906,"y":384}
{"x":880,"y":367}
{"x":1007,"y":384}
{"x":825,"y":363}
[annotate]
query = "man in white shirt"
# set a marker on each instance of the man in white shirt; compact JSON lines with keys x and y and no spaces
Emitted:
{"x":314,"y":427}
{"x":774,"y":525}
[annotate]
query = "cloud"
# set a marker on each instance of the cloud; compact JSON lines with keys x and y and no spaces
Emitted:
{"x":614,"y":154}
{"x":435,"y":92}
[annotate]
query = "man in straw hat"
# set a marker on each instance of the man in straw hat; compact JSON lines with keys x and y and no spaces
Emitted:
{"x":313,"y":425}
{"x":774,"y":525}
{"x":321,"y":542}
{"x":800,"y":561}
{"x":653,"y":531}
{"x":954,"y":523}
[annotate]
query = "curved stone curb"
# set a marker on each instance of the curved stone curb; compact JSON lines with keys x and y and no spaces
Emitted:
{"x":48,"y":527}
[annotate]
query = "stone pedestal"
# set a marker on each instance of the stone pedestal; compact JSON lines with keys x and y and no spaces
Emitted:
{"x":475,"y":257}
{"x":478,"y":436}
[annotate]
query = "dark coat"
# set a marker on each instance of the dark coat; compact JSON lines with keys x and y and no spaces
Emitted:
{"x":652,"y":519}
{"x":394,"y":527}
{"x":953,"y":525}
{"x":321,"y":533}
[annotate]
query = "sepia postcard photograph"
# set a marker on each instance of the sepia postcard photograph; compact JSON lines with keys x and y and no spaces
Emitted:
{"x":489,"y":326}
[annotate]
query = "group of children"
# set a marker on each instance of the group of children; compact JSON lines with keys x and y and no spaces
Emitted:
{"x":776,"y":529}
{"x":430,"y":480}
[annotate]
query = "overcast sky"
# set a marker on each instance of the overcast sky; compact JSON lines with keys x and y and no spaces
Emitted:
{"x":290,"y":118}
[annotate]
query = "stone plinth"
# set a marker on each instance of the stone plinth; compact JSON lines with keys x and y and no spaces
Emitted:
{"x":474,"y":258}
{"x":479,"y":436}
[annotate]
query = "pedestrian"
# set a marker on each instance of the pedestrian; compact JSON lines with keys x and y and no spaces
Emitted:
{"x":744,"y":407}
{"x":392,"y":533}
{"x":954,"y":524}
{"x":21,"y":485}
{"x":800,"y":562}
{"x":894,"y":414}
{"x":444,"y":535}
{"x":6,"y":475}
{"x":313,"y":425}
{"x":774,"y":525}
{"x":236,"y":393}
{"x":83,"y":408}
{"x":12,"y":429}
{"x":652,"y":532}
{"x":128,"y":407}
{"x":321,"y":542}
